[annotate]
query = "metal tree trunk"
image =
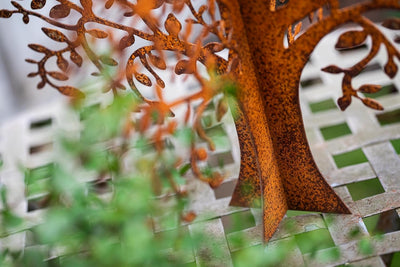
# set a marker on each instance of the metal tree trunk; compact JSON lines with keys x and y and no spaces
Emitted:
{"x":276,"y":161}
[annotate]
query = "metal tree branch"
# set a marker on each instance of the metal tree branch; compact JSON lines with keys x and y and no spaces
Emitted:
{"x":174,"y":40}
{"x":355,"y":38}
{"x":307,"y":41}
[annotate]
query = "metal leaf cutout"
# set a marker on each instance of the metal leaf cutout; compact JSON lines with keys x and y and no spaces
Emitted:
{"x":332,"y":69}
{"x":184,"y":67}
{"x":33,"y":74}
{"x":350,"y":39}
{"x":126,"y":41}
{"x":370,"y":88}
{"x":214,"y":47}
{"x":172,"y":25}
{"x":393,"y":24}
{"x":62,"y":63}
{"x":38,"y":4}
{"x":76,"y":58}
{"x":344,"y":102}
{"x":5,"y":13}
{"x":31,"y":61}
{"x":41,"y":84}
{"x":369,"y":102}
{"x":391,"y":68}
{"x":71,"y":91}
{"x":18,"y":6}
{"x":55,"y":35}
{"x":25,"y":19}
{"x":59,"y":11}
{"x":129,"y":14}
{"x":157,"y":62}
{"x":109,"y":4}
{"x":143,"y":79}
{"x":38,"y":48}
{"x":58,"y":75}
{"x":97,"y":33}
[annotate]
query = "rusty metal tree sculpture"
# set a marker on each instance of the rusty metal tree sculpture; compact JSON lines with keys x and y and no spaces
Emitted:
{"x":276,"y":162}
{"x":277,"y":169}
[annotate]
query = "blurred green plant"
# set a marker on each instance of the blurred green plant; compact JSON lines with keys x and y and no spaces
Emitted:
{"x":108,"y":220}
{"x":112,"y":187}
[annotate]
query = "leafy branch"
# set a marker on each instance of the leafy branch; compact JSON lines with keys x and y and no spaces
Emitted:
{"x":355,"y":38}
{"x":80,"y":48}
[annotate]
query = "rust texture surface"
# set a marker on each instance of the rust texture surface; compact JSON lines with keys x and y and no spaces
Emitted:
{"x":277,"y":171}
{"x":288,"y":175}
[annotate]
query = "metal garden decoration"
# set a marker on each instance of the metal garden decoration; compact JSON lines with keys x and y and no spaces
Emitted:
{"x":277,"y":169}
